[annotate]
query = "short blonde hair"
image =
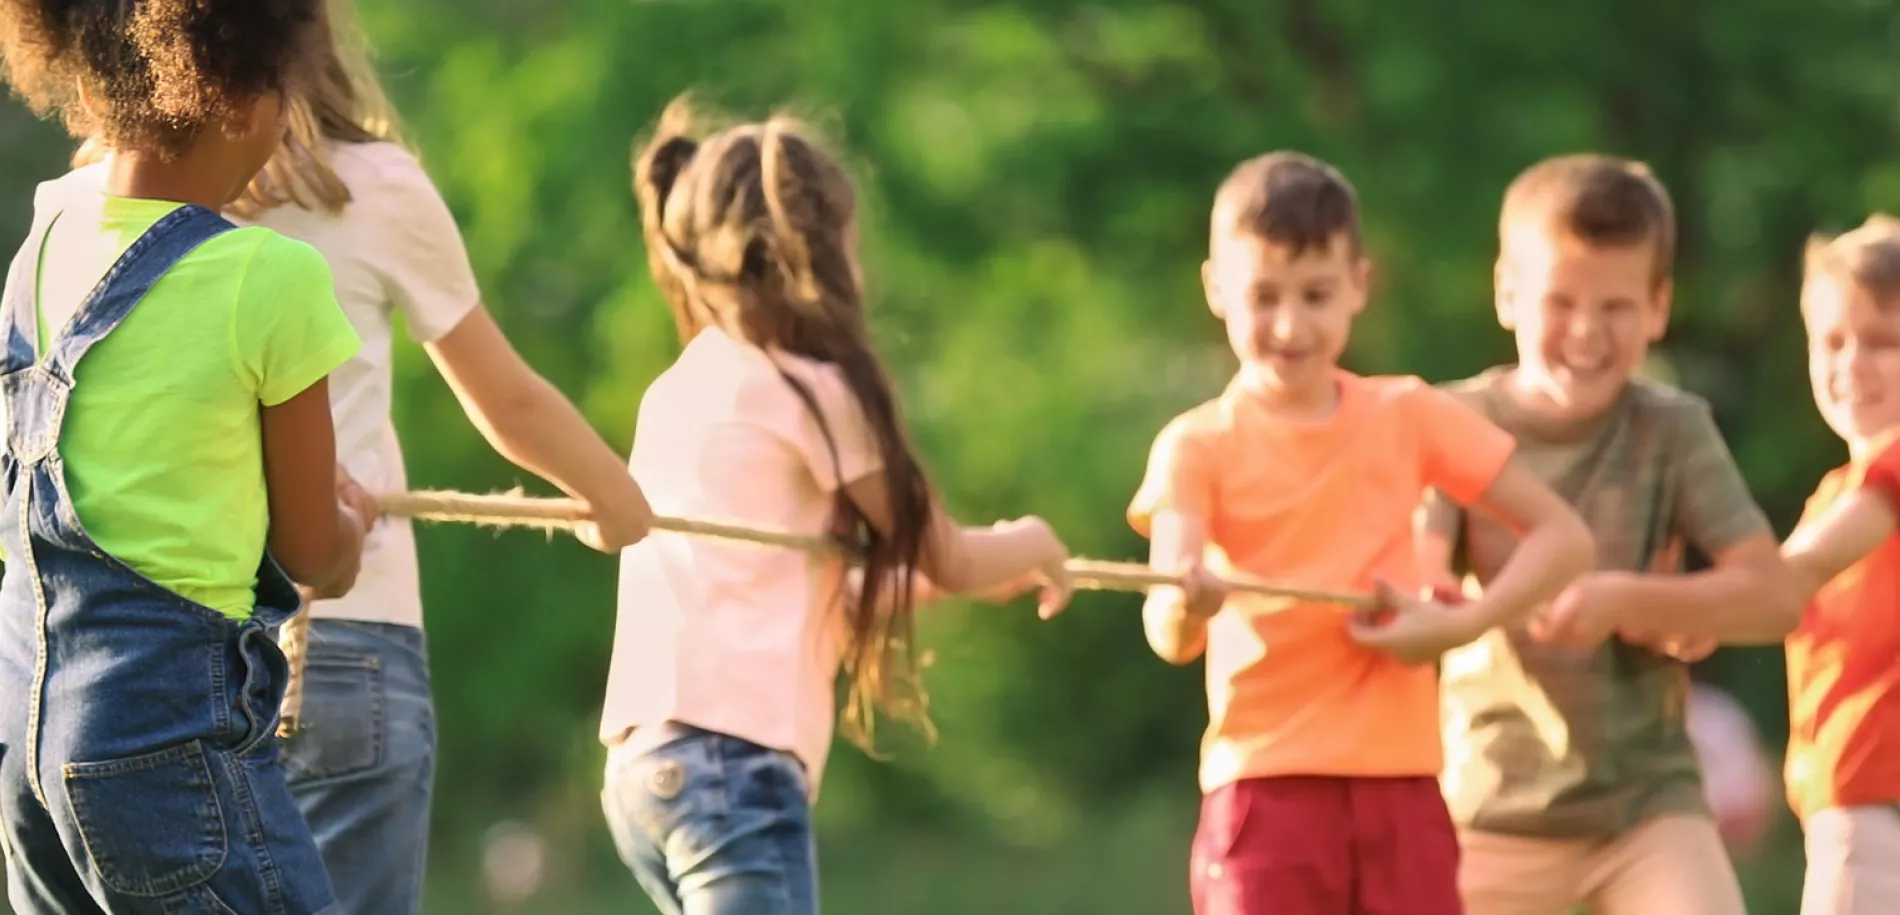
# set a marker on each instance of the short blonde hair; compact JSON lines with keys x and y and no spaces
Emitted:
{"x":1867,"y":257}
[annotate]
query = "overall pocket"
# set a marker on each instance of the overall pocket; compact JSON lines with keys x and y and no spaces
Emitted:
{"x":151,"y":823}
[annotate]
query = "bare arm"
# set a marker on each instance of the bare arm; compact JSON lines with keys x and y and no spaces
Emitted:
{"x":1555,"y":549}
{"x":1824,"y":548}
{"x":965,"y":560}
{"x":318,"y":541}
{"x":1175,"y":621}
{"x":1748,"y":597}
{"x":1435,"y":527}
{"x":529,"y":422}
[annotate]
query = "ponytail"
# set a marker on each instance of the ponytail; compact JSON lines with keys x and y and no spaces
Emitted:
{"x":762,"y":215}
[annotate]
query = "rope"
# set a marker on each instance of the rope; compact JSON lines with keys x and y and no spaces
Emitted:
{"x":515,"y":510}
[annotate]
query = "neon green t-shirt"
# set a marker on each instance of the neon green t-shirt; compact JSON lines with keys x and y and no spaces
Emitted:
{"x":162,"y":443}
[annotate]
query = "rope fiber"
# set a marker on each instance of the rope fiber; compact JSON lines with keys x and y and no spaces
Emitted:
{"x":516,"y":510}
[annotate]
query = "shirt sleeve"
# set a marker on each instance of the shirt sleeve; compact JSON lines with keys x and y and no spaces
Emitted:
{"x":843,"y":448}
{"x":419,"y":257}
{"x":1714,"y":508}
{"x":1463,"y":452}
{"x":288,"y":331}
{"x":1883,"y":474}
{"x":1179,"y":477}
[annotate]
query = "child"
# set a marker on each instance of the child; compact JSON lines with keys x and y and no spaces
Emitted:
{"x":720,"y":699}
{"x":1843,"y":766}
{"x":1738,"y":779}
{"x":168,"y":445}
{"x":1320,"y":760}
{"x":362,"y":765}
{"x":1570,"y":769}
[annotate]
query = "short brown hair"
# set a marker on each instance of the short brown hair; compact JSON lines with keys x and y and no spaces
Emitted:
{"x":1868,"y":257}
{"x":1290,"y":199}
{"x":1599,"y":200}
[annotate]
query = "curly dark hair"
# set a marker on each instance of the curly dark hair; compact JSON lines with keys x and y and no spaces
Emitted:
{"x":158,"y":71}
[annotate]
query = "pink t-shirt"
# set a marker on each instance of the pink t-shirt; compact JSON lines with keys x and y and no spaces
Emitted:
{"x":733,"y":637}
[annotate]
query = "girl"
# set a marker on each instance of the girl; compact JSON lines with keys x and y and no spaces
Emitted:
{"x":719,"y":702}
{"x":362,"y":766}
{"x":169,"y":462}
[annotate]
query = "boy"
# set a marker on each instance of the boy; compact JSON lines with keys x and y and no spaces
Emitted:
{"x":1570,"y":770}
{"x":1320,"y":759}
{"x":1843,"y":767}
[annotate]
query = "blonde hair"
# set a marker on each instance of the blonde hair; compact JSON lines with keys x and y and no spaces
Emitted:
{"x":342,"y":101}
{"x":1867,"y":257}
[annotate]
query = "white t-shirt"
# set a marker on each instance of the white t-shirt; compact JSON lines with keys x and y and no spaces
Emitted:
{"x":734,"y":637}
{"x":395,"y":246}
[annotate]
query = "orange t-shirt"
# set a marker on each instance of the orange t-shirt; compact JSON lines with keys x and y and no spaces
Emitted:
{"x":1320,"y":505}
{"x":1844,"y":667}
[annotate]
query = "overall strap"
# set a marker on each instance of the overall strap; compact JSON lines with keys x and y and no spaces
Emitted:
{"x":154,"y":254}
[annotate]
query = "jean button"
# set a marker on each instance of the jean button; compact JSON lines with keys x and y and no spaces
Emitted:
{"x":666,"y":780}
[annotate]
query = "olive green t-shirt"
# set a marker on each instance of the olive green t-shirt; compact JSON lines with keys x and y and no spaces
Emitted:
{"x":1548,"y":741}
{"x":161,"y":442}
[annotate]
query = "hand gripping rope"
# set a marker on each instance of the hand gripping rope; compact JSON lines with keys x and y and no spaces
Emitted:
{"x":509,"y":510}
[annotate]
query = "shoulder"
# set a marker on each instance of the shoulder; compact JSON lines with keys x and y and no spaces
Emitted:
{"x":1677,"y":417}
{"x":385,"y":178}
{"x":56,"y":194}
{"x":825,"y":381}
{"x":273,"y":260}
{"x":379,"y":162}
{"x":1476,"y":391}
{"x":1412,"y":395}
{"x":1195,"y":430}
{"x":1667,"y":401}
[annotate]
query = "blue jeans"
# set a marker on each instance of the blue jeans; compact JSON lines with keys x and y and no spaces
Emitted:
{"x":362,"y":765}
{"x":714,"y":825}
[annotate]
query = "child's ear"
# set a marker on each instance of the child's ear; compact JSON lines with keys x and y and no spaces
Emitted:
{"x":1211,"y":289}
{"x":1659,"y":306}
{"x":1504,"y":298}
{"x":1363,"y":276}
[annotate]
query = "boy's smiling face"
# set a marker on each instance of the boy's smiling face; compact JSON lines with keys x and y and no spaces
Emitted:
{"x":1584,"y":315}
{"x":1853,"y":358}
{"x":1288,"y":316}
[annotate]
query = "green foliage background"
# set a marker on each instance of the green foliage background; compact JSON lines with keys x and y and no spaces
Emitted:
{"x":1037,"y":176}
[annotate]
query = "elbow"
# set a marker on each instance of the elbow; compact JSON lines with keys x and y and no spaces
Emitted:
{"x":313,"y":568}
{"x":318,"y":561}
{"x":1174,"y":653}
{"x":952,"y":568}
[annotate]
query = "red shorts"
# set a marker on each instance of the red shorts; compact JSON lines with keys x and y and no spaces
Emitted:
{"x":1318,"y":845}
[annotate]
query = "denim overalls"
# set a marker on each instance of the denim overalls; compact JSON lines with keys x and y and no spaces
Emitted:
{"x":138,"y":760}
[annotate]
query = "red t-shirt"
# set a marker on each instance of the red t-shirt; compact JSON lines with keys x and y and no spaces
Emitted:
{"x":1844,"y":666}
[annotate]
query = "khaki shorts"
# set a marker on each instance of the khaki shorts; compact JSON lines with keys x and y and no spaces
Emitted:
{"x":1670,"y":865}
{"x":1853,"y":861}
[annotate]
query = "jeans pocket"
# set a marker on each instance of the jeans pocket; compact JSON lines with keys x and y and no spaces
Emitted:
{"x":342,"y":726}
{"x":150,"y":823}
{"x":676,"y":798}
